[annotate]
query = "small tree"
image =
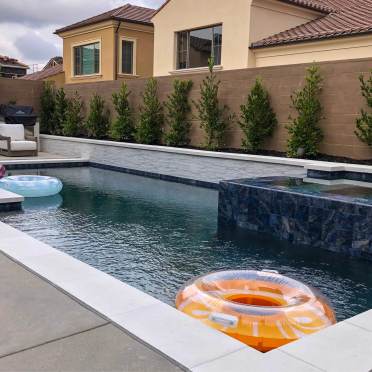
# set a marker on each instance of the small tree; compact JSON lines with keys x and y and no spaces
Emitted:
{"x":212,"y":116}
{"x":178,"y":108}
{"x":122,"y":128}
{"x":258,"y":119}
{"x":59,"y":112}
{"x":304,"y":133}
{"x":72,"y":123}
{"x":364,"y":122}
{"x":151,"y":120}
{"x":98,"y":118}
{"x":47,"y":103}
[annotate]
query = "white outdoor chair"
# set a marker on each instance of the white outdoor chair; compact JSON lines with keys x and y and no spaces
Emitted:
{"x":13,"y":141}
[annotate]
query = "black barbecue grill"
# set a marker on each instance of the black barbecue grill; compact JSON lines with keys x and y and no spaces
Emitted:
{"x":15,"y":114}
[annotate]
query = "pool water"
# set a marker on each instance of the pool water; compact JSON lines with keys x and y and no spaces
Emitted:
{"x":157,"y":235}
{"x":344,"y":191}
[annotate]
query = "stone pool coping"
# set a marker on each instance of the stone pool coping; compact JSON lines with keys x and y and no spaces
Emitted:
{"x":343,"y":347}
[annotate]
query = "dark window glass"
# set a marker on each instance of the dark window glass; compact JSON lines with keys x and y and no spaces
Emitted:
{"x":87,"y":59}
{"x":127,"y":57}
{"x":182,"y":49}
{"x":194,"y":48}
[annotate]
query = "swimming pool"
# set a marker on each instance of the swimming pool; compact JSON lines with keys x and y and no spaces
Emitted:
{"x":156,"y":235}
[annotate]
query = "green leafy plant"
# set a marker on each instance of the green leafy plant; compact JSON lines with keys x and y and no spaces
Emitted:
{"x":72,"y":124}
{"x":98,"y":119}
{"x":178,"y":108}
{"x":151,"y":119}
{"x":59,"y":111}
{"x":47,"y":107}
{"x":122,"y":128}
{"x":258,"y":119}
{"x":213,"y":117}
{"x":305,"y":135}
{"x":364,"y":122}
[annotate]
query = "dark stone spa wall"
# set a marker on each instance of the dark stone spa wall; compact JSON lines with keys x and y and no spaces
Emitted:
{"x":320,"y":222}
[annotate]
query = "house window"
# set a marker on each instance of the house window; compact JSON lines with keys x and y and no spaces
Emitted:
{"x":87,"y":59}
{"x":128,"y":50}
{"x":195,"y":47}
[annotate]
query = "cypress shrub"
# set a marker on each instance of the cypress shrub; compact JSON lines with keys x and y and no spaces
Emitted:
{"x":305,"y":135}
{"x":47,"y":107}
{"x":122,"y":128}
{"x":73,"y":120}
{"x":98,"y":119}
{"x":150,"y":125}
{"x":213,"y":117}
{"x":60,"y":110}
{"x":178,"y":108}
{"x":364,"y":122}
{"x":258,"y":119}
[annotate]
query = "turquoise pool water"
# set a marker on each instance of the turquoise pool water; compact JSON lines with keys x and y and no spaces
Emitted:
{"x":156,"y":235}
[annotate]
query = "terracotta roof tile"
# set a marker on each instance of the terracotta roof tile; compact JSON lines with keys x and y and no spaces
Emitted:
{"x":348,"y":17}
{"x":43,"y":74}
{"x":127,"y":13}
{"x":8,"y":61}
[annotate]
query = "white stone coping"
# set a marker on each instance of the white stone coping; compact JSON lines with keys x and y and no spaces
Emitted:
{"x":43,"y":161}
{"x":307,"y":164}
{"x":10,"y":197}
{"x":343,"y":347}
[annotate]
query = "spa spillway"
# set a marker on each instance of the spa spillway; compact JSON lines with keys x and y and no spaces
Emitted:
{"x":32,"y":186}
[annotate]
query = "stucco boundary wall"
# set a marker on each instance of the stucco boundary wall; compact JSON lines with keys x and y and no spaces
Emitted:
{"x":23,"y":92}
{"x":341,"y":100}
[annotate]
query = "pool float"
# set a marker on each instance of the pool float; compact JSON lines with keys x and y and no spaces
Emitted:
{"x":32,"y":186}
{"x":262,"y":309}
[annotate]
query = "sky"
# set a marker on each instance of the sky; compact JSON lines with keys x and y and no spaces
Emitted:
{"x":27,"y":26}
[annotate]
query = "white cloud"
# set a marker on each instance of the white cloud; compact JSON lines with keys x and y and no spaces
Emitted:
{"x":27,"y":26}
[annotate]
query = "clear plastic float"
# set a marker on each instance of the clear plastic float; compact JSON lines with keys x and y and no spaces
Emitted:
{"x":31,"y":186}
{"x":262,"y":309}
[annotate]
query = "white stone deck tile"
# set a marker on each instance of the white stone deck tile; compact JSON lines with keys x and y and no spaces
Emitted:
{"x":177,"y":335}
{"x":245,"y":360}
{"x":10,"y":197}
{"x":363,"y":320}
{"x":340,"y":348}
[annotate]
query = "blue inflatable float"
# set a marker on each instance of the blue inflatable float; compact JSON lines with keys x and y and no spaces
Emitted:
{"x":32,"y":186}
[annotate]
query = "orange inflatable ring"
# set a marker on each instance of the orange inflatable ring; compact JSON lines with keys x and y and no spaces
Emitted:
{"x":265,"y":310}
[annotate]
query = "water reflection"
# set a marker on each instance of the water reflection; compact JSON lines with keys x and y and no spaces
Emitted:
{"x":45,"y":203}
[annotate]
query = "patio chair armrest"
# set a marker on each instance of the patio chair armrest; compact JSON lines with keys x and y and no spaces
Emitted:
{"x":31,"y":138}
{"x":4,"y":138}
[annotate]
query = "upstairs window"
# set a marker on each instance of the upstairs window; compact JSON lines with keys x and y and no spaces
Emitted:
{"x":87,"y":59}
{"x":195,"y":47}
{"x":128,"y":50}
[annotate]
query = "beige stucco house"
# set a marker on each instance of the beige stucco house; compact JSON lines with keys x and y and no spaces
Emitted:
{"x":258,"y":33}
{"x":110,"y":46}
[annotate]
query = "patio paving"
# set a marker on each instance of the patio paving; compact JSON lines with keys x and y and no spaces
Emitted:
{"x":43,"y":329}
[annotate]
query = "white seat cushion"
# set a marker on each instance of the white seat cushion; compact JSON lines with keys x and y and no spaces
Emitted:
{"x":19,"y":145}
{"x":15,"y":131}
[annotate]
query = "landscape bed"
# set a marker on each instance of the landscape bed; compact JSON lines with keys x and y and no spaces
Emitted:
{"x":156,"y":235}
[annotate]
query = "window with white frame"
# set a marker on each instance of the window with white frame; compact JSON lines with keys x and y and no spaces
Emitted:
{"x":195,"y":47}
{"x":128,"y":56}
{"x":87,"y":59}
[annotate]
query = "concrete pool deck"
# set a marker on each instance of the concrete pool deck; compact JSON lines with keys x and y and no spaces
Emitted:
{"x":43,"y":329}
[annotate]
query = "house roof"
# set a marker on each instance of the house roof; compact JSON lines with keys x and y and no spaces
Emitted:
{"x":347,"y":18}
{"x":126,"y":13}
{"x":317,"y":5}
{"x":53,"y":62}
{"x":43,"y":74}
{"x":12,"y":62}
